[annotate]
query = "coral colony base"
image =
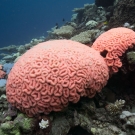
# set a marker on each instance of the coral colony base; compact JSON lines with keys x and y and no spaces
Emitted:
{"x":78,"y":80}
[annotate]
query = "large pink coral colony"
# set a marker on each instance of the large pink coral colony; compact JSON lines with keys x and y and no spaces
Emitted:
{"x":112,"y":44}
{"x":52,"y":74}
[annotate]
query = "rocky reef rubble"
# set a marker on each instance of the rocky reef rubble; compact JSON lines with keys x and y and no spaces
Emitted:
{"x":10,"y":53}
{"x":109,"y":112}
{"x":124,"y":12}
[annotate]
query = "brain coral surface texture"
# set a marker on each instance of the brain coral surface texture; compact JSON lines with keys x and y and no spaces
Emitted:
{"x":113,"y":44}
{"x":52,"y":74}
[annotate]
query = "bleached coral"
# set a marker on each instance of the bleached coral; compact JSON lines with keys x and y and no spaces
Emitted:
{"x":44,"y":124}
{"x":64,"y":31}
{"x":126,"y":114}
{"x":116,"y":107}
{"x":85,"y":37}
{"x":91,"y":24}
{"x":128,"y":119}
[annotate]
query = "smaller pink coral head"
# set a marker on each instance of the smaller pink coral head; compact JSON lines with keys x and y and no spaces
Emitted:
{"x":113,"y":44}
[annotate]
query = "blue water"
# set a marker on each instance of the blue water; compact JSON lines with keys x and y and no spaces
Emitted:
{"x":22,"y":20}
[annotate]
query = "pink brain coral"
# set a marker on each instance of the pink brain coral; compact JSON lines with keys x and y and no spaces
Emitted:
{"x":52,"y":74}
{"x":113,"y":44}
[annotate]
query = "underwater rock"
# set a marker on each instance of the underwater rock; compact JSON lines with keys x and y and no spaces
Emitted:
{"x":60,"y":126}
{"x":21,"y":49}
{"x":9,"y":58}
{"x":24,"y":123}
{"x":74,"y":17}
{"x":19,"y":126}
{"x":124,"y":11}
{"x":90,"y":12}
{"x":3,"y":103}
{"x":131,"y":57}
{"x":7,"y":67}
{"x":9,"y":129}
{"x":128,"y":120}
{"x":11,"y":48}
{"x":35,"y":41}
{"x":3,"y":89}
{"x":28,"y":46}
{"x":110,"y":130}
{"x":128,"y":60}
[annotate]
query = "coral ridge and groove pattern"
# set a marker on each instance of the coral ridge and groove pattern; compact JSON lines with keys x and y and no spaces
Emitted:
{"x":113,"y":44}
{"x":52,"y":74}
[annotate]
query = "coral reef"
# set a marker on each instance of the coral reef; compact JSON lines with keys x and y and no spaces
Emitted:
{"x":90,"y":12}
{"x":64,"y":85}
{"x":11,"y":53}
{"x":85,"y":37}
{"x":131,"y":57}
{"x":91,"y":24}
{"x":90,"y":17}
{"x":128,"y":119}
{"x":124,"y":11}
{"x":64,"y":31}
{"x":116,"y":107}
{"x":20,"y":126}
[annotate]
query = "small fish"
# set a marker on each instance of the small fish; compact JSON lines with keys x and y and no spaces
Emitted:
{"x":106,"y":22}
{"x":56,"y":26}
{"x":63,"y":20}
